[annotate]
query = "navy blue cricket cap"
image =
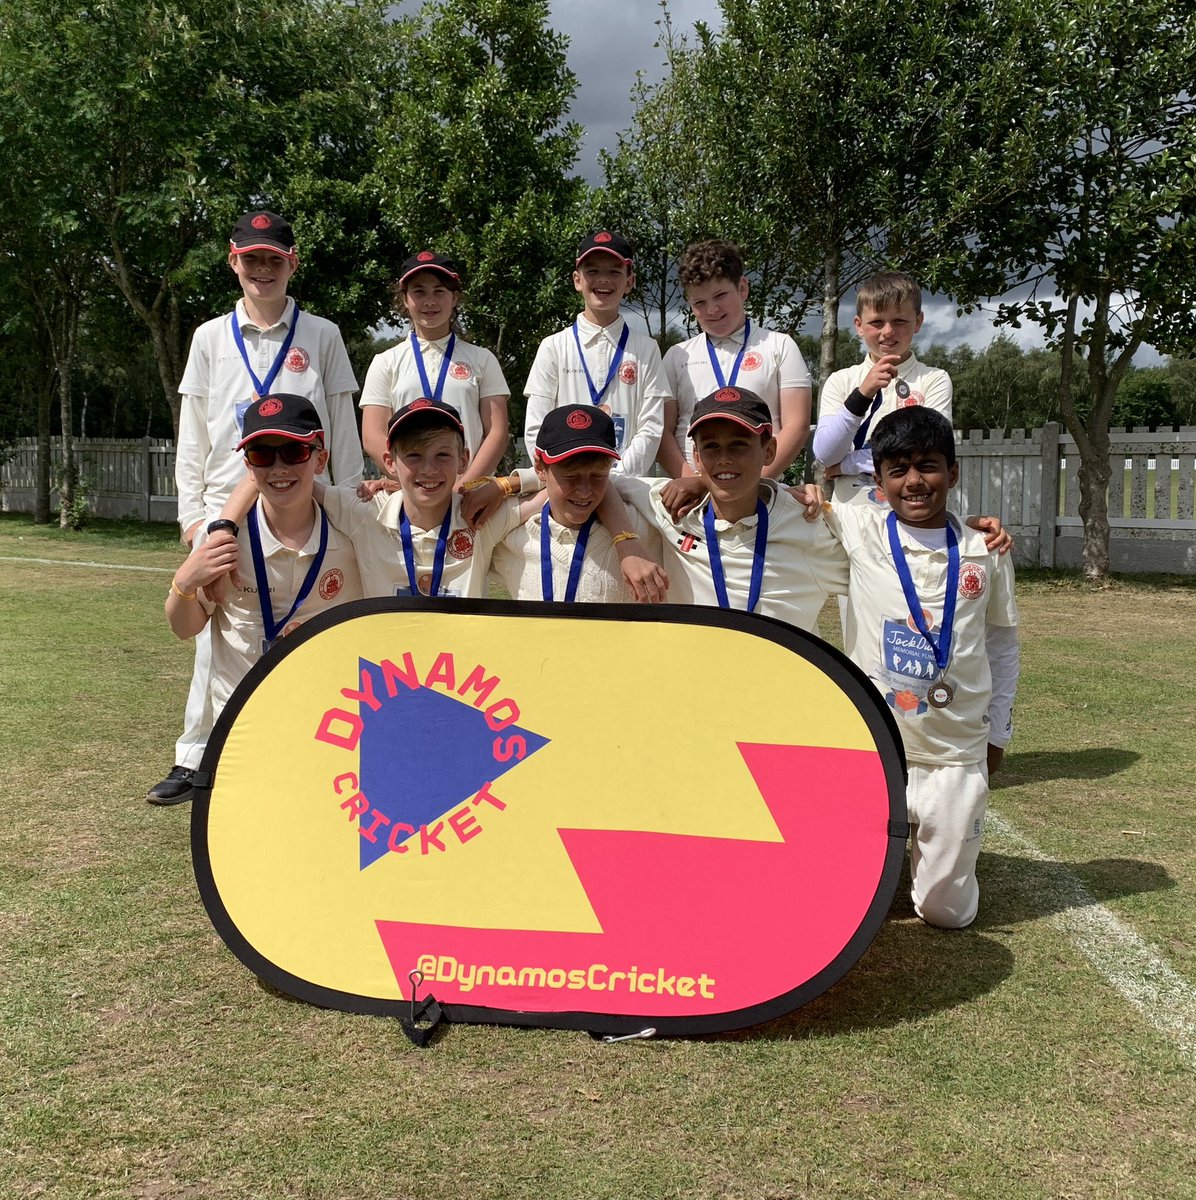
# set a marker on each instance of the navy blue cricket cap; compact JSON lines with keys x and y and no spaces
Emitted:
{"x":432,"y":412}
{"x":281,"y":414}
{"x":576,"y":429}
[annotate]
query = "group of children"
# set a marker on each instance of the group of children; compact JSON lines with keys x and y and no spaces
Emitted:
{"x":271,"y":462}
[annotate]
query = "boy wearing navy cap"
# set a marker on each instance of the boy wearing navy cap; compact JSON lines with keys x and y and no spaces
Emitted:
{"x":563,"y":551}
{"x":931,"y":619}
{"x":301,"y":563}
{"x":437,"y":362}
{"x":600,"y":360}
{"x":265,"y":345}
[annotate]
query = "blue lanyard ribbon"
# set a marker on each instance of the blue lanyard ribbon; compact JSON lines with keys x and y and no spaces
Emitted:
{"x":716,"y":558}
{"x":444,"y":366}
{"x":942,"y":647}
{"x":714,"y":363}
{"x":437,"y":561}
{"x":262,"y":387}
{"x":595,"y":393}
{"x":579,"y":553}
{"x":274,"y":628}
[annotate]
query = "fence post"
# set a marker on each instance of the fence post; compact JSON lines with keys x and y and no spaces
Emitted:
{"x":147,"y":477}
{"x":1049,"y":508}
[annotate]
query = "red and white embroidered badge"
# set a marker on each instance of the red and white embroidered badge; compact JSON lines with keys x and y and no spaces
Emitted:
{"x":261,"y":221}
{"x":424,"y":402}
{"x":727,"y":395}
{"x":460,"y":545}
{"x":579,"y":419}
{"x":425,"y":256}
{"x":914,"y":398}
{"x":268,"y":408}
{"x":331,"y":583}
{"x":628,"y":373}
{"x":602,"y":237}
{"x":972,"y":580}
{"x":298,"y":360}
{"x":751,"y":362}
{"x":460,"y":371}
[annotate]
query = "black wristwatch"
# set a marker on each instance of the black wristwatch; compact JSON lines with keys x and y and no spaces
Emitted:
{"x":222,"y":523}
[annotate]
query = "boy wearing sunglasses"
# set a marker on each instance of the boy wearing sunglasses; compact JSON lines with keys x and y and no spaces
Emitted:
{"x":301,"y":563}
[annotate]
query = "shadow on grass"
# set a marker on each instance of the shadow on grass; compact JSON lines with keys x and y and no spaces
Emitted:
{"x":1016,"y":889}
{"x":909,"y":972}
{"x":1041,"y":765}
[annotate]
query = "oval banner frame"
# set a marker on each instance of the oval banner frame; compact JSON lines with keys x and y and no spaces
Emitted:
{"x":599,"y":817}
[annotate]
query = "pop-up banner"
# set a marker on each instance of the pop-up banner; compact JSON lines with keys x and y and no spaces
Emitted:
{"x":612,"y":818}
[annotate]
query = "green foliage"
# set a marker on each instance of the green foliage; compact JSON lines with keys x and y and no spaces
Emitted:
{"x":474,"y":159}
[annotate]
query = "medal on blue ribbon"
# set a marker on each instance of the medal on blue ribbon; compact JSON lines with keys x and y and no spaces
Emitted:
{"x":941,"y":693}
{"x":714,"y":363}
{"x":438,"y":559}
{"x":596,"y":394}
{"x":579,"y":553}
{"x":861,"y":434}
{"x":417,"y":354}
{"x":716,"y":558}
{"x":272,"y":627}
{"x":261,"y":387}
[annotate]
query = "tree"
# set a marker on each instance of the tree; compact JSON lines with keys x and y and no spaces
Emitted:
{"x":843,"y":148}
{"x":474,"y":159}
{"x":200,"y":112}
{"x":1109,"y":223}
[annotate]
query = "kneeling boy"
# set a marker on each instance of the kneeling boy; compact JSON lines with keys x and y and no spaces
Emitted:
{"x":302,"y":564}
{"x":931,"y":619}
{"x":563,"y":551}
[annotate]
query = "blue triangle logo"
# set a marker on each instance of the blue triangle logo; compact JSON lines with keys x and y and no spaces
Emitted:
{"x":423,"y":754}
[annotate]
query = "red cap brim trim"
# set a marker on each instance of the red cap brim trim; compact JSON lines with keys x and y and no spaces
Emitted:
{"x":318,"y":436}
{"x":430,"y":267}
{"x":764,"y":427}
{"x":273,"y":247}
{"x":556,"y":458}
{"x":627,"y":262}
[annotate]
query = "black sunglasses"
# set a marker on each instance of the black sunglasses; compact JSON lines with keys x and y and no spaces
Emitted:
{"x":292,"y":454}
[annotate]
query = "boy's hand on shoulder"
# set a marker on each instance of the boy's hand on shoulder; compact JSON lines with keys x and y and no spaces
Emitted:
{"x":995,"y":755}
{"x":367,"y":489}
{"x":647,"y":581}
{"x":880,"y":375}
{"x":996,"y":536}
{"x":812,"y":498}
{"x":480,"y":499}
{"x":210,"y":565}
{"x":680,"y":496}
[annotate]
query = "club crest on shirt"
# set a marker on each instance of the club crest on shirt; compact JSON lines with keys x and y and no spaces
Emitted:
{"x":751,"y":362}
{"x":298,"y":360}
{"x":972,"y":580}
{"x":628,"y":373}
{"x":331,"y":583}
{"x":460,"y":371}
{"x":460,"y":543}
{"x":914,"y":398}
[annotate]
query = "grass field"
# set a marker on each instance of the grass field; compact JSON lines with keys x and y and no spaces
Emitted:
{"x":1049,"y":1051}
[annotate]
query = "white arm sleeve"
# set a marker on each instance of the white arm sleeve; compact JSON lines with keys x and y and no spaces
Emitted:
{"x":1001,"y":643}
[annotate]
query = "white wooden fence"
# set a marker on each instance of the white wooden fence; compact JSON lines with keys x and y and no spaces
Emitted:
{"x":1029,"y":479}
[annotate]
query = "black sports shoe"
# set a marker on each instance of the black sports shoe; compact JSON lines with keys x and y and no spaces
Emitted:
{"x":174,"y":789}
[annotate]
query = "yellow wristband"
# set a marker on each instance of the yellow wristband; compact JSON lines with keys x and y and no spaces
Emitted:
{"x":625,"y":536}
{"x":508,"y":488}
{"x":174,"y":587}
{"x":480,"y":482}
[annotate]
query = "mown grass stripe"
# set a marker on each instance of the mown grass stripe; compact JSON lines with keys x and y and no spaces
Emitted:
{"x":1122,"y":956}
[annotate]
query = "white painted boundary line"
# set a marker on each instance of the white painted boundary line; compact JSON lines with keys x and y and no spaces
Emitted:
{"x":74,"y":562}
{"x":1148,"y":982}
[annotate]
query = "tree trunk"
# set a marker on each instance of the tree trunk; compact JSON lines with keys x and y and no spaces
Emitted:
{"x":1094,"y":505}
{"x":45,"y":399}
{"x":68,"y":510}
{"x":831,"y":265}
